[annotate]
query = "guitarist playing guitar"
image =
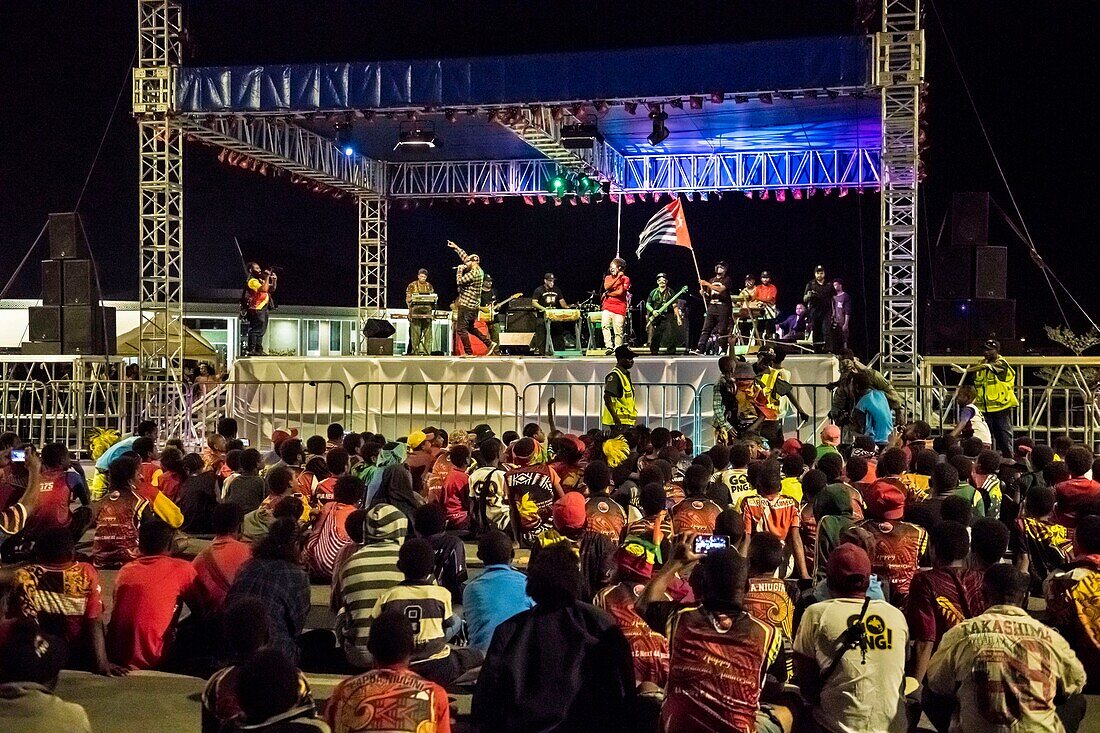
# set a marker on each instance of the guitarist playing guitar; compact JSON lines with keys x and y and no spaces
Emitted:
{"x":664,"y":320}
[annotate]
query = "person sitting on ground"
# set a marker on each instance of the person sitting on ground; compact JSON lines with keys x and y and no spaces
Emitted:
{"x":942,"y":597}
{"x":221,"y":706}
{"x":270,"y":696}
{"x":329,"y":537}
{"x":605,"y":515}
{"x":917,"y":480}
{"x":971,"y":447}
{"x":1072,"y":598}
{"x":280,"y":485}
{"x":986,"y":481}
{"x":569,"y":659}
{"x":965,"y":468}
{"x":213,"y":453}
{"x":495,"y":595}
{"x":422,"y":453}
{"x":771,"y":511}
{"x":793,"y":467}
{"x":336,"y":465}
{"x":173,"y":473}
{"x":568,"y":462}
{"x":830,"y":440}
{"x":335,"y":433}
{"x":596,"y":552}
{"x":30,"y":664}
{"x":738,"y":477}
{"x":852,"y":674}
{"x":833,"y":515}
{"x":1039,"y":458}
{"x":59,"y":484}
{"x":455,"y":490}
{"x":1041,"y":544}
{"x":655,"y":525}
{"x":696,"y":513}
{"x":433,"y":658}
{"x":118,"y":515}
{"x":197,"y":496}
{"x":365,"y":576}
{"x":832,"y":465}
{"x":430,"y":522}
{"x":900,"y":546}
{"x":889,"y":473}
{"x":292,"y":455}
{"x":769,"y":598}
{"x":148,"y":594}
{"x":987,"y":675}
{"x":813,"y":483}
{"x":247,"y":488}
{"x":278,"y":580}
{"x":392,"y":693}
{"x":488,"y":502}
{"x":397,"y":489}
{"x":856,"y":471}
{"x":217,"y":564}
{"x":315,"y":448}
{"x":531,"y":489}
{"x":63,"y":596}
{"x":988,"y":544}
{"x":1074,"y":493}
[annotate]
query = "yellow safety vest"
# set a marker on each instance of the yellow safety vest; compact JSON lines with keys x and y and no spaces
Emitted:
{"x":767,"y":381}
{"x":624,"y":406}
{"x":995,"y":394}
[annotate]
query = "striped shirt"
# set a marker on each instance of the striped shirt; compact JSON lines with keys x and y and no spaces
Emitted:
{"x":426,"y":606}
{"x":367,"y":574}
{"x":328,"y":538}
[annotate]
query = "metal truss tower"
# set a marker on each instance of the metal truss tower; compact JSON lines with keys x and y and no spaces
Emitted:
{"x":160,"y":148}
{"x":373,"y":228}
{"x":899,"y":72}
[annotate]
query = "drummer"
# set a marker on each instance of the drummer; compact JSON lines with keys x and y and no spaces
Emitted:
{"x":552,"y":333}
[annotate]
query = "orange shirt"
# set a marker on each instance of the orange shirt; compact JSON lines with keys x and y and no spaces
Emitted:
{"x":215,"y":568}
{"x":776,"y":514}
{"x":147,"y":593}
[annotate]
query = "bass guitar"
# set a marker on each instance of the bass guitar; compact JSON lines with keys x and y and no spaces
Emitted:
{"x":488,"y":312}
{"x":655,"y":314}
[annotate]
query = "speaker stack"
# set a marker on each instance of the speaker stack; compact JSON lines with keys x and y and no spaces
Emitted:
{"x":71,"y":319}
{"x":970,"y":285}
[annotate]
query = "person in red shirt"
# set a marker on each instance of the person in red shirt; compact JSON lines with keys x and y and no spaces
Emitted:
{"x":391,"y":696}
{"x":148,"y":594}
{"x":336,"y":461}
{"x":1079,"y":489}
{"x":173,"y":473}
{"x":768,"y":598}
{"x":942,"y":597}
{"x":217,"y":564}
{"x":899,"y":546}
{"x":771,"y":511}
{"x":568,"y":463}
{"x":604,"y":513}
{"x":614,"y":305}
{"x":146,"y":448}
{"x":330,"y":535}
{"x":696,"y":513}
{"x":58,"y":485}
{"x":891,"y":467}
{"x":64,"y":597}
{"x":455,"y":491}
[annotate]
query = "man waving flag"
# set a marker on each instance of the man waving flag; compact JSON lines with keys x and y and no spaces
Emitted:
{"x":667,"y":226}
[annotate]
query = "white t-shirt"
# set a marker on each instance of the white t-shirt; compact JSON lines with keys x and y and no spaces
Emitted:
{"x":496,"y":508}
{"x":977,"y":423}
{"x":858,"y":697}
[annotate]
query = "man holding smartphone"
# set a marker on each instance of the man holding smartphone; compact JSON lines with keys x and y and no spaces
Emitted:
{"x":16,"y":460}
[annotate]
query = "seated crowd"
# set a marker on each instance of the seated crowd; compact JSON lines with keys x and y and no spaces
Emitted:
{"x":840,"y":588}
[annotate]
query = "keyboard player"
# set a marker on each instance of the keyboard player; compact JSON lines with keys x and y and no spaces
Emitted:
{"x":420,"y":299}
{"x":552,"y":334}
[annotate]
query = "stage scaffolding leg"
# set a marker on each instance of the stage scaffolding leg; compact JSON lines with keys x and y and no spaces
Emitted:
{"x":373,"y":225}
{"x":899,"y":71}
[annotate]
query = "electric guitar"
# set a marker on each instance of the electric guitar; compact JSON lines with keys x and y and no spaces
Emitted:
{"x":488,"y":312}
{"x":655,"y":314}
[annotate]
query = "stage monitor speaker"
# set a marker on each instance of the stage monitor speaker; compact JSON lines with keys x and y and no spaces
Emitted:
{"x":951,"y":272}
{"x":970,"y":219}
{"x":44,"y":323}
{"x":991,"y":272}
{"x":67,"y":240}
{"x":516,"y":342}
{"x":53,"y":278}
{"x":520,"y":321}
{"x":378,"y":328}
{"x":378,"y":346}
{"x":947,"y":326}
{"x":88,"y":329}
{"x":992,"y":319}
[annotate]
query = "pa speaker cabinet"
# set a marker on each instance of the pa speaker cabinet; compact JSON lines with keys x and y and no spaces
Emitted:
{"x":41,"y":348}
{"x":378,"y":328}
{"x":952,"y":272}
{"x":947,"y":326}
{"x":67,"y":237}
{"x":516,"y":342}
{"x":88,"y":329}
{"x":373,"y":346}
{"x":53,"y":281}
{"x":991,"y":272}
{"x":79,"y":286}
{"x":44,"y":322}
{"x":993,"y":319}
{"x":970,"y":219}
{"x":520,"y":321}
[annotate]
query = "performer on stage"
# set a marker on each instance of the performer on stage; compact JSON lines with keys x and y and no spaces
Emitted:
{"x":552,"y":335}
{"x":794,"y":326}
{"x":256,"y":306}
{"x":818,"y":297}
{"x":665,"y":318}
{"x":614,"y":305}
{"x":489,"y":310}
{"x":420,"y":316}
{"x":716,"y":294}
{"x":767,"y":294}
{"x":470,"y":279}
{"x":744,"y":318}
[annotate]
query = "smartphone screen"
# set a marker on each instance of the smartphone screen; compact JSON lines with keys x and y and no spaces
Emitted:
{"x":245,"y":442}
{"x":705,"y":543}
{"x":18,"y":455}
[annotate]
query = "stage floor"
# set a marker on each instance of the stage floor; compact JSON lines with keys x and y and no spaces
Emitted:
{"x":395,"y":395}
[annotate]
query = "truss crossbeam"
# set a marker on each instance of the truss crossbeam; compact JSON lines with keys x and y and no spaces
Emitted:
{"x":294,"y":149}
{"x":542,"y":131}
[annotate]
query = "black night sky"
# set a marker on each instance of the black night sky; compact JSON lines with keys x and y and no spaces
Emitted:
{"x":1031,"y":65}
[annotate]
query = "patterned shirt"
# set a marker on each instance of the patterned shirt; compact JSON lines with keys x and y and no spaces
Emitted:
{"x":605,"y":516}
{"x":59,"y":597}
{"x":648,"y":648}
{"x":695,"y":514}
{"x":940,"y":599}
{"x":283,"y":588}
{"x":776,"y":514}
{"x":367,"y":574}
{"x":390,"y":699}
{"x":427,"y":606}
{"x":899,"y":548}
{"x":469,"y":284}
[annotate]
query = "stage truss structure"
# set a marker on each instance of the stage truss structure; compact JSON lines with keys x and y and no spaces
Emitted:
{"x":286,"y":144}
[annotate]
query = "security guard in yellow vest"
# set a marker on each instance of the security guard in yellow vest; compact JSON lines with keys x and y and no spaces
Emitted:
{"x":620,"y":412}
{"x":767,"y":375}
{"x":995,"y":381}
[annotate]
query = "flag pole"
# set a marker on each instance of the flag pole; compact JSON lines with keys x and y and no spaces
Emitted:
{"x":619,"y":229}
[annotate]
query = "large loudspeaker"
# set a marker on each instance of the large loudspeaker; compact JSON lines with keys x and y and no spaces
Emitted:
{"x":520,"y":321}
{"x":992,"y":319}
{"x":970,"y":219}
{"x":53,"y":278}
{"x":67,"y":240}
{"x":378,"y":346}
{"x":87,"y":329}
{"x":952,"y":272}
{"x":947,"y":326}
{"x":991,"y":272}
{"x":378,"y":328}
{"x":44,"y":323}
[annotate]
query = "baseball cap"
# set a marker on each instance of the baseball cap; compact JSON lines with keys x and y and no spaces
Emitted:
{"x":278,"y":435}
{"x":482,"y":433}
{"x":548,"y":276}
{"x":569,"y":511}
{"x":415,"y":438}
{"x":830,"y":435}
{"x":422,"y":271}
{"x":819,"y":268}
{"x":662,"y":275}
{"x":885,"y":500}
{"x":743,"y":370}
{"x":791,"y":447}
{"x":848,"y":569}
{"x":765,"y":273}
{"x":624,"y":352}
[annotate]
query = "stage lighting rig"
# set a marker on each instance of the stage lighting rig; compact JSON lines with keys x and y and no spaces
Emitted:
{"x":660,"y":130}
{"x":417,"y":135}
{"x":344,"y":139}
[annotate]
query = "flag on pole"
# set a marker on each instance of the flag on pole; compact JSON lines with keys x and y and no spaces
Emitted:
{"x":667,"y":226}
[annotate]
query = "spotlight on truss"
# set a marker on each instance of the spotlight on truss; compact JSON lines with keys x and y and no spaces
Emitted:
{"x":677,"y":103}
{"x":717,"y":97}
{"x":344,"y":139}
{"x":630,"y":107}
{"x":416,"y":135}
{"x":660,"y":130}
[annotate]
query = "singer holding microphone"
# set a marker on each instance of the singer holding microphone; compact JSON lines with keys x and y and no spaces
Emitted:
{"x":256,"y":305}
{"x":614,"y":305}
{"x":469,"y":276}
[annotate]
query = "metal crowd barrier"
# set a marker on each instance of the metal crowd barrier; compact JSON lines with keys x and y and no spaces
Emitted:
{"x":23,"y":408}
{"x":398,"y":408}
{"x":813,"y":398}
{"x":261,"y":407}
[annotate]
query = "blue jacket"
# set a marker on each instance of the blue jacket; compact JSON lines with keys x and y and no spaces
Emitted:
{"x":491,"y":598}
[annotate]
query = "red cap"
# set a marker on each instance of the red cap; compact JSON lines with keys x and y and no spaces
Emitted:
{"x":791,"y":447}
{"x":885,"y":500}
{"x":569,"y":512}
{"x":830,"y":435}
{"x":848,"y":569}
